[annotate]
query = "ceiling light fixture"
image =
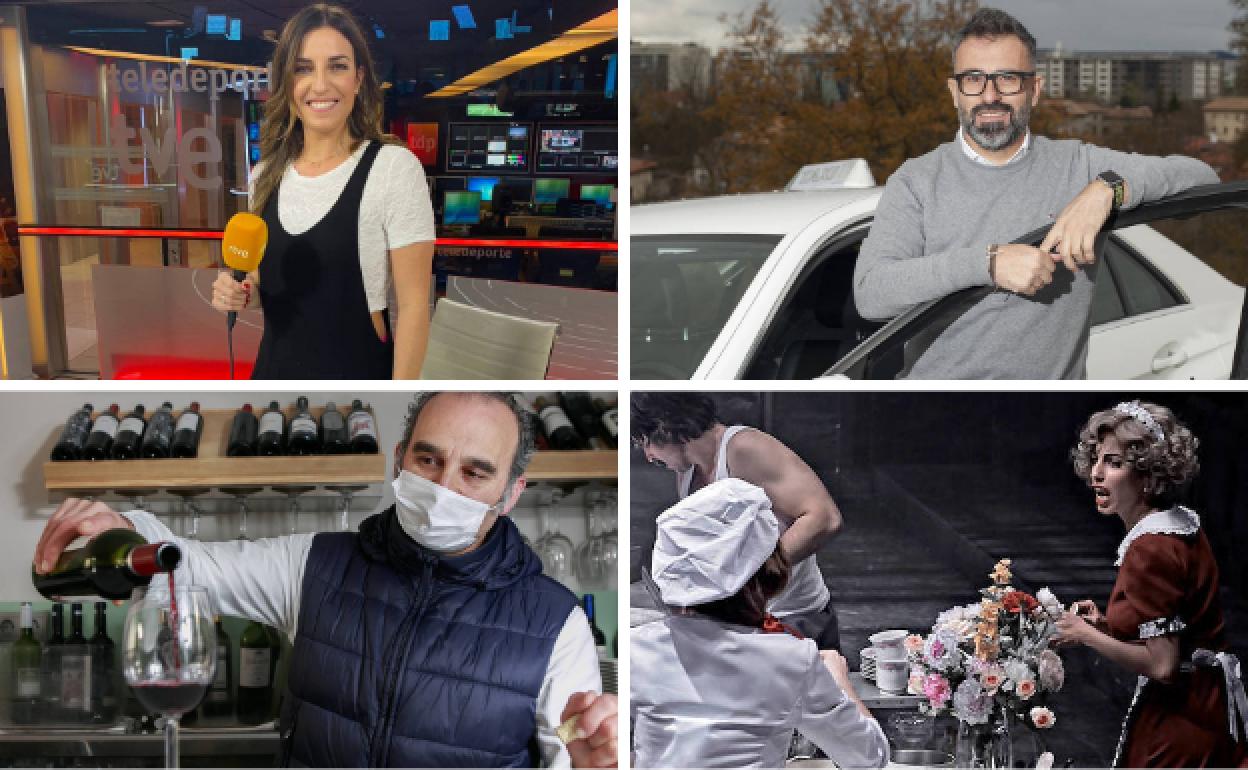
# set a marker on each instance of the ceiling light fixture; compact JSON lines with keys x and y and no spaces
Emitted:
{"x":593,"y":32}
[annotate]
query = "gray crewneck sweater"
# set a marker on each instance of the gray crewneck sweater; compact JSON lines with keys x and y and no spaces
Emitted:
{"x":934,"y":224}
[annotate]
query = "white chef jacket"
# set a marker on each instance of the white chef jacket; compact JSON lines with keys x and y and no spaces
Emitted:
{"x":806,"y":593}
{"x":261,"y":580}
{"x":710,"y":694}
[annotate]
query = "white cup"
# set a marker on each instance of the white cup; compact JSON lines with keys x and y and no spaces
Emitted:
{"x":889,"y":645}
{"x":892,"y":676}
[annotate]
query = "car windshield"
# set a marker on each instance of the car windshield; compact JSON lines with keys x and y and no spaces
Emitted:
{"x":683,"y":290}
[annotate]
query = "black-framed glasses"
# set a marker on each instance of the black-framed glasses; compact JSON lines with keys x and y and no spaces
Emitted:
{"x":1007,"y":82}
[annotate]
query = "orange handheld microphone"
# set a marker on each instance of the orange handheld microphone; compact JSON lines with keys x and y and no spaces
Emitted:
{"x":242,"y":247}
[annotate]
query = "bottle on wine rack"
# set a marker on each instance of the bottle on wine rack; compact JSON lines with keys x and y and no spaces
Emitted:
{"x":535,"y":422}
{"x":110,"y":565}
{"x":186,"y":432}
{"x":600,"y":639}
{"x":220,"y":699}
{"x":129,"y":434}
{"x":158,"y":439}
{"x":272,"y":430}
{"x":74,"y":436}
{"x":256,"y":662}
{"x":560,"y":433}
{"x":242,"y":433}
{"x":76,"y":672}
{"x":27,"y":673}
{"x":334,"y":431}
{"x":580,"y":411}
{"x":51,"y":666}
{"x":100,"y":440}
{"x":361,"y":429}
{"x":303,"y":436}
{"x":609,"y":417}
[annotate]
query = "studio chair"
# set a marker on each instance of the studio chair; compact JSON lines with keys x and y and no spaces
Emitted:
{"x":469,"y":343}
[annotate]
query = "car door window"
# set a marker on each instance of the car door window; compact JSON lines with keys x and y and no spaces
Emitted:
{"x":1139,"y":286}
{"x":1106,"y":301}
{"x":818,"y":322}
{"x":683,"y":290}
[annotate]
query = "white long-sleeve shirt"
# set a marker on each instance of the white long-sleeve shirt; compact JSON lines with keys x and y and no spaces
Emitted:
{"x":261,"y":580}
{"x":709,"y":694}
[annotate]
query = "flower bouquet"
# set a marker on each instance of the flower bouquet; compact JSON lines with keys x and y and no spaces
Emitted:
{"x":989,"y":664}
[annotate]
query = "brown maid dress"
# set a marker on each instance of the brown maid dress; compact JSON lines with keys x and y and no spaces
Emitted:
{"x":1167,"y":585}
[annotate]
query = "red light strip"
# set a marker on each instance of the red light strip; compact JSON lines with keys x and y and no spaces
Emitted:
{"x":211,"y":235}
{"x":122,"y":232}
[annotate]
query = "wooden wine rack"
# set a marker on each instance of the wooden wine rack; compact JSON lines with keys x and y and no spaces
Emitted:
{"x":213,"y":469}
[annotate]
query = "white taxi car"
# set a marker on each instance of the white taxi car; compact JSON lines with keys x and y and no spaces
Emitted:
{"x":759,"y":286}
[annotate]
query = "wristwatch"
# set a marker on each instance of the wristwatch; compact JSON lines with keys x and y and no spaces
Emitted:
{"x":1117,"y":184}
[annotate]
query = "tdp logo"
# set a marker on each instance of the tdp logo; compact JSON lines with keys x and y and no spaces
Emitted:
{"x":423,"y":143}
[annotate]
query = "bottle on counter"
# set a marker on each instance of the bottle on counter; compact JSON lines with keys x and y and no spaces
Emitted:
{"x":600,"y":639}
{"x":609,"y":417}
{"x":110,"y":565}
{"x":158,"y":438}
{"x":243,"y":431}
{"x":100,"y":440}
{"x":27,"y":692}
{"x":219,"y":702}
{"x":74,"y":436}
{"x":334,"y":439}
{"x":256,"y":664}
{"x":272,"y":431}
{"x":303,"y":438}
{"x":361,"y":430}
{"x":51,"y":666}
{"x":76,"y":672}
{"x":580,"y":410}
{"x":187,"y":431}
{"x":560,"y":433}
{"x":104,"y":684}
{"x":129,"y":435}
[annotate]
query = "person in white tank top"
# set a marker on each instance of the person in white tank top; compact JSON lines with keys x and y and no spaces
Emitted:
{"x":682,"y":432}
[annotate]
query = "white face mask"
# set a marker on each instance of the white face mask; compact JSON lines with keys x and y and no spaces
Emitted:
{"x":434,"y":516}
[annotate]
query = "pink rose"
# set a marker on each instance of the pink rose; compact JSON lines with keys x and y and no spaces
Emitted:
{"x":1026,"y":688}
{"x":914,"y":644}
{"x":1042,"y":717}
{"x":936,"y":689}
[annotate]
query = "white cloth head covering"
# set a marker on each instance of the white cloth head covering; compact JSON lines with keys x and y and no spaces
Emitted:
{"x":712,"y":542}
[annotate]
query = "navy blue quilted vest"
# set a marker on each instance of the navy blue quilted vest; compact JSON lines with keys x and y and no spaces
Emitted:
{"x":406,"y":659}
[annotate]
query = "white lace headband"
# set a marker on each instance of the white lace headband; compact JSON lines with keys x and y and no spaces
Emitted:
{"x":1141,"y":415}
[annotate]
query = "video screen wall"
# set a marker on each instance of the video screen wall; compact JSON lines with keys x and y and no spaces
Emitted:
{"x":489,"y":146}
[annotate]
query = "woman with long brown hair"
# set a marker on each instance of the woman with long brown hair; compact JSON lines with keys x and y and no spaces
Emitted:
{"x":348,"y":213}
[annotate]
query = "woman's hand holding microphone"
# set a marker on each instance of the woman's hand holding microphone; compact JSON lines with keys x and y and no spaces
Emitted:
{"x":230,"y":294}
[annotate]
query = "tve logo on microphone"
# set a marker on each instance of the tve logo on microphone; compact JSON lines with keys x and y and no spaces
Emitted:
{"x":422,"y":140}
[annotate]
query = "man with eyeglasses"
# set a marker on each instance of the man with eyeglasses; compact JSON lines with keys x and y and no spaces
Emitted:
{"x":945,"y":220}
{"x":682,"y":433}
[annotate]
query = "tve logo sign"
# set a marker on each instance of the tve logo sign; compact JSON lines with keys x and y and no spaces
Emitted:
{"x":422,"y":140}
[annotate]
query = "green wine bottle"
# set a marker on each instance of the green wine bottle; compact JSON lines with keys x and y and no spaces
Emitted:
{"x":255,"y":675}
{"x":27,"y":674}
{"x":110,"y":565}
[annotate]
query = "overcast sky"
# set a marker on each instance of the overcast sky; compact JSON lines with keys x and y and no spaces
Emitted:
{"x":1142,"y":25}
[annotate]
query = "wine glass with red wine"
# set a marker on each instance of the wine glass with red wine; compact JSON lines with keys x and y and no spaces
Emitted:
{"x":169,"y":652}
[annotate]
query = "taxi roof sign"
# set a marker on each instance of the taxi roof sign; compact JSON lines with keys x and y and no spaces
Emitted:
{"x":836,"y":175}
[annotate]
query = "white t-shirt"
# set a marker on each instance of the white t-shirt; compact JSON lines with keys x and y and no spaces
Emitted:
{"x":262,"y":580}
{"x":395,"y":210}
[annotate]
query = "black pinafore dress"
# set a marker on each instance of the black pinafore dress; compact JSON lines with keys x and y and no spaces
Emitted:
{"x":316,"y":319}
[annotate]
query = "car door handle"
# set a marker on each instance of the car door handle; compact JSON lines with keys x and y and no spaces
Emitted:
{"x":1168,"y":357}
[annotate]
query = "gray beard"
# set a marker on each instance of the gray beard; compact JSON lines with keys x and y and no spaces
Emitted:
{"x":995,"y":136}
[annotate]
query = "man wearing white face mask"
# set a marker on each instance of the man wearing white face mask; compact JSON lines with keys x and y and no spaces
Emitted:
{"x":430,"y":638}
